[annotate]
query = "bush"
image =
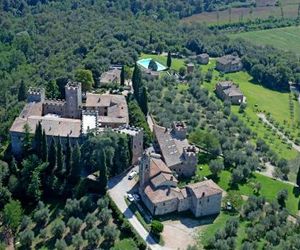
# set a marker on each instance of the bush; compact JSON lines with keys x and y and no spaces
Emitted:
{"x":157,"y":227}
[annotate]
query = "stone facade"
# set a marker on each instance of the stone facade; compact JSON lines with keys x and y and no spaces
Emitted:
{"x":72,"y":118}
{"x":229,"y":63}
{"x":203,"y":59}
{"x":137,"y":141}
{"x":227,"y":90}
{"x":177,"y":153}
{"x":160,"y":194}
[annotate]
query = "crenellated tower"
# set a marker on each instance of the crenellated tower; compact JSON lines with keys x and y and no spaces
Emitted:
{"x":73,"y":99}
{"x":36,"y":95}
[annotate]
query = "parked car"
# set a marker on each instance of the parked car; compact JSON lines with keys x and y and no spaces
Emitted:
{"x":130,"y":197}
{"x":136,"y":197}
{"x":132,"y":175}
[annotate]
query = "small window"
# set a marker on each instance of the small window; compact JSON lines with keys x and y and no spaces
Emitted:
{"x":164,"y":204}
{"x":207,"y":199}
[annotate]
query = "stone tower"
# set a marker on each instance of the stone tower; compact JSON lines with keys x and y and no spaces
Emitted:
{"x":190,"y":156}
{"x":36,"y":95}
{"x":73,"y":99}
{"x":144,"y":169}
{"x":179,"y":130}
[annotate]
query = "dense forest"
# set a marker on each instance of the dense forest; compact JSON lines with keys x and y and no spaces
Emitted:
{"x":161,"y":8}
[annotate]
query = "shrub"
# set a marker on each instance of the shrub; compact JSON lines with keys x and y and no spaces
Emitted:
{"x":157,"y":227}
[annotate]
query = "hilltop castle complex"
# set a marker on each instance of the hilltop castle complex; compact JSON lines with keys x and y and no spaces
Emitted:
{"x":175,"y":157}
{"x":74,"y":117}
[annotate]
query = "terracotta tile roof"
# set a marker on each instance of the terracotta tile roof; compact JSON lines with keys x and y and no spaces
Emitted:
{"x":171,"y":147}
{"x":53,"y":126}
{"x":204,"y":188}
{"x":162,"y":194}
{"x":111,"y":76}
{"x":161,"y":178}
{"x":117,"y":110}
{"x":157,"y":166}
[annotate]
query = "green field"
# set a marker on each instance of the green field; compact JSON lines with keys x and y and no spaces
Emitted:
{"x":283,"y":38}
{"x":176,"y":63}
{"x":269,"y":187}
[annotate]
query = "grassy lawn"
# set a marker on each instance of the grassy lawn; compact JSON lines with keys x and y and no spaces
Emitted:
{"x":269,"y":187}
{"x":282,"y":38}
{"x":176,"y":63}
{"x":261,"y":99}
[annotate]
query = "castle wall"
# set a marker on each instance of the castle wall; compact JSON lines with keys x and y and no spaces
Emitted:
{"x":184,"y":204}
{"x":166,"y":207}
{"x":57,"y":107}
{"x":183,"y":169}
{"x":137,"y":147}
{"x":207,"y":205}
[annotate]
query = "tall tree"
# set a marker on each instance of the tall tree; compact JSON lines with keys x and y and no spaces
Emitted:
{"x":122,"y":76}
{"x":59,"y":160}
{"x":103,"y":171}
{"x":143,"y":100}
{"x":85,"y":76}
{"x":12,"y":216}
{"x":136,"y":80}
{"x":52,"y":89}
{"x":52,"y":155}
{"x":68,"y":157}
{"x":22,"y":93}
{"x":75,"y":171}
{"x":37,"y":140}
{"x":44,"y":147}
{"x":169,"y":60}
{"x":34,"y":187}
{"x":27,"y":140}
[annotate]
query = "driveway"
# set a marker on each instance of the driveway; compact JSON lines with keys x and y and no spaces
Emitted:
{"x":118,"y":187}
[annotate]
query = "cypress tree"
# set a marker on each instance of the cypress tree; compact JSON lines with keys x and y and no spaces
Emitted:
{"x":37,"y":141}
{"x":68,"y":156}
{"x":52,"y":155}
{"x":44,"y":147}
{"x":143,"y":100}
{"x":169,"y":60}
{"x":298,"y":178}
{"x":14,"y":167}
{"x":27,"y":140}
{"x":122,"y":76}
{"x":103,"y":172}
{"x":123,"y":151}
{"x":59,"y":162}
{"x":136,"y":80}
{"x":22,"y":95}
{"x":75,"y":170}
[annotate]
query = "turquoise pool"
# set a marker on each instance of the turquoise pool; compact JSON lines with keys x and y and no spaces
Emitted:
{"x":145,"y":63}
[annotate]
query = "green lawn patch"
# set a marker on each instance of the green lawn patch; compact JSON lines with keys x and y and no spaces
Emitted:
{"x":269,"y":187}
{"x":281,"y":38}
{"x":260,"y":99}
{"x":176,"y":63}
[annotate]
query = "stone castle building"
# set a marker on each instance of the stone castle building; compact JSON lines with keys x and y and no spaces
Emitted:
{"x":227,"y":90}
{"x":177,"y":153}
{"x":229,"y":63}
{"x":74,"y":117}
{"x":160,"y":194}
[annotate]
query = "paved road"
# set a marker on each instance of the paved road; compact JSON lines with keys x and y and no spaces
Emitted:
{"x":118,"y":187}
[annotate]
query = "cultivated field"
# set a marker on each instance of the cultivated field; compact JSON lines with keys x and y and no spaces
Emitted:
{"x":283,"y":38}
{"x":290,"y":9}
